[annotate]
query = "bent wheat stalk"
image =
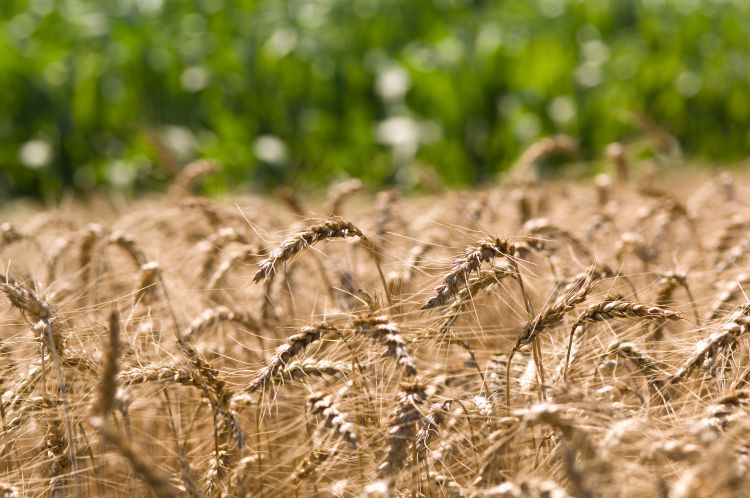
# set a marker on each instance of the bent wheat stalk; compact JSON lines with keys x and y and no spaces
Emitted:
{"x":332,"y":228}
{"x":612,"y":308}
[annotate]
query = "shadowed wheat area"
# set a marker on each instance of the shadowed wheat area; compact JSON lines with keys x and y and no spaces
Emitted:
{"x":528,"y":339}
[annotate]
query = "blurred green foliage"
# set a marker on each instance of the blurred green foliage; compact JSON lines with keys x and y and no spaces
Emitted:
{"x":308,"y":90}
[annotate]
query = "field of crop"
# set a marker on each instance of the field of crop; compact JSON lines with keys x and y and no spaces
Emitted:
{"x":530,"y":338}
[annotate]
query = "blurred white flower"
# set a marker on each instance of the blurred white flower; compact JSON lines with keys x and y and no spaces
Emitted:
{"x":180,"y":140}
{"x":398,"y":131}
{"x":194,"y":79}
{"x":270,"y":149}
{"x":392,"y":83}
{"x":35,"y":154}
{"x":688,"y":84}
{"x":122,"y":173}
{"x":281,"y":42}
{"x":562,"y":110}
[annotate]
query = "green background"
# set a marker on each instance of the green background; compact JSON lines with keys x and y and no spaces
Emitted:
{"x":121,"y":93}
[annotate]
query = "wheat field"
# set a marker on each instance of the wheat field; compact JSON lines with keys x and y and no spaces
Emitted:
{"x":531,"y":338}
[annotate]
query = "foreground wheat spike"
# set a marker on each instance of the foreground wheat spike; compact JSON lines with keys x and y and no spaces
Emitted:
{"x":381,"y":328}
{"x":218,"y":394}
{"x":554,"y":313}
{"x":323,"y":404}
{"x":402,"y":431}
{"x":335,"y":227}
{"x":484,"y":251}
{"x":314,"y":368}
{"x":28,"y":302}
{"x":227,"y":429}
{"x":616,"y":307}
{"x":474,"y":286}
{"x":708,"y":350}
{"x":158,"y":373}
{"x":293,"y":346}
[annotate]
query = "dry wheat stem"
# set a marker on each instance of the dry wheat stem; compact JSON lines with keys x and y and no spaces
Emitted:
{"x":109,"y":369}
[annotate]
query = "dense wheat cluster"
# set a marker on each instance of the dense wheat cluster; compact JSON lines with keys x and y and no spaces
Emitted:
{"x":527,"y":339}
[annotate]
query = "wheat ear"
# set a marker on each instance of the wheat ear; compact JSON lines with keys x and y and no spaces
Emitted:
{"x":612,"y":308}
{"x":473,"y":257}
{"x":294,"y":345}
{"x":401,"y":432}
{"x":323,"y":404}
{"x":382,"y":329}
{"x":737,"y":326}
